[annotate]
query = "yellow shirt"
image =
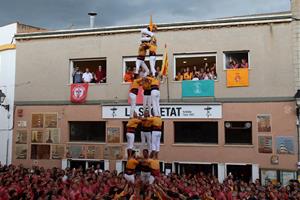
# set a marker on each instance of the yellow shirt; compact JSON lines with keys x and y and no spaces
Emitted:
{"x":187,"y":76}
{"x":145,"y":165}
{"x":179,"y":78}
{"x":156,"y":121}
{"x":132,"y":163}
{"x":154,"y":164}
{"x":146,"y":124}
{"x":146,"y":83}
{"x":135,"y":86}
{"x":133,"y":123}
{"x":154,"y":81}
{"x":136,"y":83}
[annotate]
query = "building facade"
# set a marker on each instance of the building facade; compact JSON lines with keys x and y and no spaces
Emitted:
{"x":7,"y":84}
{"x":7,"y":78}
{"x":242,"y":121}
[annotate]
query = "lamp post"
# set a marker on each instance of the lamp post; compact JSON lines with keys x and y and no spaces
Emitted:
{"x":2,"y":98}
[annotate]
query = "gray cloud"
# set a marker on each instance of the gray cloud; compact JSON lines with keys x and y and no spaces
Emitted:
{"x":61,"y":14}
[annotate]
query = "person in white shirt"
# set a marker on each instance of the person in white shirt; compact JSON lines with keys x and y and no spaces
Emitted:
{"x":148,"y":41}
{"x":195,"y":78}
{"x":87,"y":76}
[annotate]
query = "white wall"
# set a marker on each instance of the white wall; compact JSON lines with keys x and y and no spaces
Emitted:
{"x":7,"y":85}
{"x":7,"y":32}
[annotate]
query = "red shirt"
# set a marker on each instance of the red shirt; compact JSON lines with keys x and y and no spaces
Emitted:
{"x":100,"y":75}
{"x":221,"y":196}
{"x":128,"y":77}
{"x":3,"y":193}
{"x":229,"y":195}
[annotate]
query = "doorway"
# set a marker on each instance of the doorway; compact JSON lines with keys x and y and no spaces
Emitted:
{"x":194,"y":168}
{"x":78,"y":164}
{"x":240,"y":172}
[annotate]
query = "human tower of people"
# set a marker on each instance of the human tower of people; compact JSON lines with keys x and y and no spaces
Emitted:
{"x":151,"y":123}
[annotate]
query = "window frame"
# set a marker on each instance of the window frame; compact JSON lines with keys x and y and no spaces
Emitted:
{"x":193,"y":55}
{"x":236,"y":51}
{"x":71,"y":67}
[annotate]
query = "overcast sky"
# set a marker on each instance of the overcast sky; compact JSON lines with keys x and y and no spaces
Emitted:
{"x":63,"y":14}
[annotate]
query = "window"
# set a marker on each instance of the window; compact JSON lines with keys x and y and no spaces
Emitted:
{"x":196,"y":132}
{"x":268,"y":175}
{"x":238,"y":132}
{"x":129,"y":67}
{"x":137,"y":137}
{"x":87,"y":131}
{"x":40,"y":151}
{"x":88,"y":70}
{"x":195,"y":67}
{"x":288,"y":177}
{"x":236,"y":59}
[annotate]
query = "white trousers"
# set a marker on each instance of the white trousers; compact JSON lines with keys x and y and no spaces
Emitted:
{"x":140,"y":63}
{"x":130,"y":140}
{"x":147,"y":102}
{"x":146,"y":140}
{"x":151,"y":179}
{"x":145,"y":176}
{"x":132,"y":103}
{"x":155,"y":140}
{"x":155,"y":96}
{"x":129,"y":178}
{"x":152,"y":61}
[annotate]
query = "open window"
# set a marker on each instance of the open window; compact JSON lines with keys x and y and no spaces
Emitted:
{"x":238,"y":132}
{"x":88,"y":70}
{"x":195,"y":67}
{"x":236,"y":59}
{"x":129,"y":67}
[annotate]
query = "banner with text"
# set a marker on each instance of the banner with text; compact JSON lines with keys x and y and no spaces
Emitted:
{"x":200,"y":88}
{"x":168,"y":111}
